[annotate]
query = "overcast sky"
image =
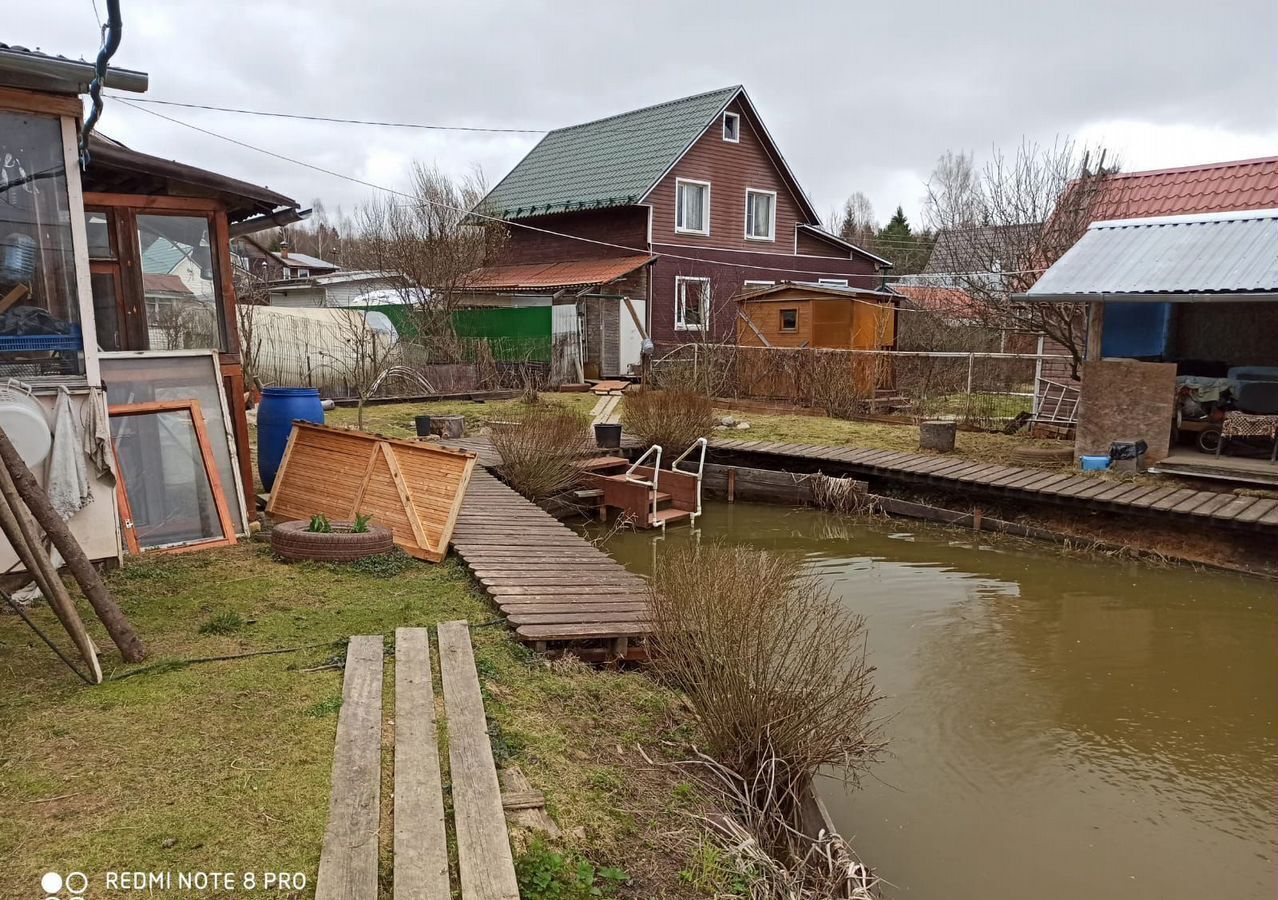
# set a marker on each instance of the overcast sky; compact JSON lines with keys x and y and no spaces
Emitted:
{"x":859,"y":96}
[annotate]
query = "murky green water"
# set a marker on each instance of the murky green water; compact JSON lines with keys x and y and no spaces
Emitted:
{"x":1059,"y":728}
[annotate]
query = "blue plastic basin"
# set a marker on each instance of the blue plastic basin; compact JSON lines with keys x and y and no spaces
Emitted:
{"x":1094,"y":463}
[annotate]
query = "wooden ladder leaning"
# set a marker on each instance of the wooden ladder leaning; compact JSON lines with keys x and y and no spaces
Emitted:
{"x":348,"y":860}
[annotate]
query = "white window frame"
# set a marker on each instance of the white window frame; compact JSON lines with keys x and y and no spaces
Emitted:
{"x":749,"y":283}
{"x":679,"y":183}
{"x":736,"y":118}
{"x":303,"y":273}
{"x":680,"y":305}
{"x":833,"y":282}
{"x":772,"y":224}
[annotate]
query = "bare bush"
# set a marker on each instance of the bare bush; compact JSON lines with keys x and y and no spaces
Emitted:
{"x":776,"y":669}
{"x":840,"y":495}
{"x":540,"y":447}
{"x":673,"y":418}
{"x":821,"y":865}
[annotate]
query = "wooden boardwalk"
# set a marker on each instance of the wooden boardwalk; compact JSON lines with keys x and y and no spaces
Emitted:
{"x":348,"y":867}
{"x":1147,"y":496}
{"x":553,"y":586}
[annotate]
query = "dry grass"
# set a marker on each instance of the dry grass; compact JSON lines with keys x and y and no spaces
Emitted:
{"x":540,"y":448}
{"x":840,"y":495}
{"x":673,"y":418}
{"x":775,"y":668}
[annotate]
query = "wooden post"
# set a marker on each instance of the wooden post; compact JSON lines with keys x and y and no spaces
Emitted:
{"x":976,"y":518}
{"x":937,"y":436}
{"x":37,"y":501}
{"x":732,"y":485}
{"x":448,"y":426}
{"x":1095,"y":329}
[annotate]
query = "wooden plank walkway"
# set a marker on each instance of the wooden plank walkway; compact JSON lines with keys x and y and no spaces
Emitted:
{"x":421,"y":847}
{"x":484,"y":860}
{"x":348,"y":861}
{"x":1147,"y":498}
{"x":552,"y":585}
{"x":348,"y":868}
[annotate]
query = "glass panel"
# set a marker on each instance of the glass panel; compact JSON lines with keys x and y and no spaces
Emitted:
{"x":760,"y":213}
{"x":693,"y":297}
{"x":169,"y":494}
{"x":179,"y":283}
{"x":97,"y":226}
{"x":106,"y":310}
{"x":692,"y":207}
{"x":40,"y":325}
{"x":138,"y":379}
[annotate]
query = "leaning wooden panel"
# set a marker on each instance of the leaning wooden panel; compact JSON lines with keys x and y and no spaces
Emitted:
{"x":414,"y":489}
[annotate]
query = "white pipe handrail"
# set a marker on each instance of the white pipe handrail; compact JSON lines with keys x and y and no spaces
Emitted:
{"x":651,"y":485}
{"x":701,"y":467}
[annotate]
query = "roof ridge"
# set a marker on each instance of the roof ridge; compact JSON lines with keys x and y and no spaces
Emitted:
{"x":622,"y":115}
{"x":1197,"y":167}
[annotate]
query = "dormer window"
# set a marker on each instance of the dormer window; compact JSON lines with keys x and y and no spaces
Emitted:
{"x":731,"y":127}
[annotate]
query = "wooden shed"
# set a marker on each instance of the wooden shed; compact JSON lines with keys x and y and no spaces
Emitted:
{"x":794,"y":315}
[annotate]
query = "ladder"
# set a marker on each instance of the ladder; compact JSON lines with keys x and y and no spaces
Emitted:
{"x":652,"y":497}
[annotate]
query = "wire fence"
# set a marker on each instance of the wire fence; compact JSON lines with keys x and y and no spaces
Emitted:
{"x":981,"y":390}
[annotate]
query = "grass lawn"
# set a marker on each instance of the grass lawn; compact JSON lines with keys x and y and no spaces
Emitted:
{"x":225,"y":766}
{"x":396,"y":420}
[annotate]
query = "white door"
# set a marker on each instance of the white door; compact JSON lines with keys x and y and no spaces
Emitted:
{"x":630,"y":357}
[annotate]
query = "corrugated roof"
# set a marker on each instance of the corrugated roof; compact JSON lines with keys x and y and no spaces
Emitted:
{"x":555,"y":275}
{"x":608,"y":162}
{"x":768,"y":294}
{"x":1215,"y":187}
{"x":1206,"y":253}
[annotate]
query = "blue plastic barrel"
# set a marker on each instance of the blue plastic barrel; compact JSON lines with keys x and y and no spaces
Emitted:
{"x":279,"y":409}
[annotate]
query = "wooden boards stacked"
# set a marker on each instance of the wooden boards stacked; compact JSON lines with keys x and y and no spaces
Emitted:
{"x":414,"y":489}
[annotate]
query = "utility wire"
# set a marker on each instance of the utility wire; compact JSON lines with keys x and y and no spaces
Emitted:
{"x":336,"y":119}
{"x":417,"y":201}
{"x":905,"y":242}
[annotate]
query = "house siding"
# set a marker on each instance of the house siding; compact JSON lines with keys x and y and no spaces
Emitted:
{"x":625,"y":226}
{"x":731,"y":169}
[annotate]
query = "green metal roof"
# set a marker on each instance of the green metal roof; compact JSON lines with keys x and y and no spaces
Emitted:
{"x":608,"y":162}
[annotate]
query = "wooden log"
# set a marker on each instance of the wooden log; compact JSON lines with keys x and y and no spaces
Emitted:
{"x":421,"y":847}
{"x":448,"y":426}
{"x":20,"y":531}
{"x":41,"y":508}
{"x":348,"y":860}
{"x":484,"y":860}
{"x":937,"y":436}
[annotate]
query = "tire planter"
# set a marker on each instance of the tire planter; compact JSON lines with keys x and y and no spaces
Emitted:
{"x":291,"y":540}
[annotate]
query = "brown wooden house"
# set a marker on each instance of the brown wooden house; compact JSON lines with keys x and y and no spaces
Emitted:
{"x":684,"y":205}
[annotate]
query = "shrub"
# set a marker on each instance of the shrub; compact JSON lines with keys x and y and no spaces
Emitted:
{"x":673,"y":418}
{"x":540,"y":447}
{"x":223,"y":623}
{"x":776,"y":670}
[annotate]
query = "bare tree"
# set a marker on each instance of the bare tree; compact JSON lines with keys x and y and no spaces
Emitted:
{"x":432,"y":244}
{"x":855,"y":221}
{"x":1002,"y":225}
{"x":366,"y":359}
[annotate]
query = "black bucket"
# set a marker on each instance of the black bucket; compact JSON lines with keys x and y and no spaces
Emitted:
{"x":608,"y":436}
{"x":423,"y":426}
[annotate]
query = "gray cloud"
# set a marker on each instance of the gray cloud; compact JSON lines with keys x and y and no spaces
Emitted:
{"x":860,"y":97}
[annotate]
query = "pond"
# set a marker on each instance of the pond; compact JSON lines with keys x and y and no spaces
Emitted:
{"x":1059,"y":726}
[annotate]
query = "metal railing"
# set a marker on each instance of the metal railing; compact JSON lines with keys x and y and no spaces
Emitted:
{"x":650,"y":484}
{"x":701,"y":467}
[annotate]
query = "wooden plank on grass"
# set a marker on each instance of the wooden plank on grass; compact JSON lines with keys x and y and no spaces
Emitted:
{"x":484,"y":860}
{"x":421,"y":846}
{"x":348,"y":860}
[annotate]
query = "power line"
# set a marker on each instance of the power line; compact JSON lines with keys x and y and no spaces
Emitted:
{"x":335,"y":119}
{"x":417,"y":201}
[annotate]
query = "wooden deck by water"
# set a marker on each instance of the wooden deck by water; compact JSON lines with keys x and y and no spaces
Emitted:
{"x":1147,"y":497}
{"x":553,"y":586}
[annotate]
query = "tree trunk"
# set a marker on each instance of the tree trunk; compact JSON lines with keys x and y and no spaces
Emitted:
{"x":37,"y":501}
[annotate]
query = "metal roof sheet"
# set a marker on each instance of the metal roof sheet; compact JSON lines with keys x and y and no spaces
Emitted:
{"x":608,"y":162}
{"x":1213,"y":187}
{"x":553,"y":275}
{"x":1195,"y":254}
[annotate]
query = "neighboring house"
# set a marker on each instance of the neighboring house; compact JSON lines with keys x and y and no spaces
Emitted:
{"x":342,"y":288}
{"x":256,"y":258}
{"x":682,"y":205}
